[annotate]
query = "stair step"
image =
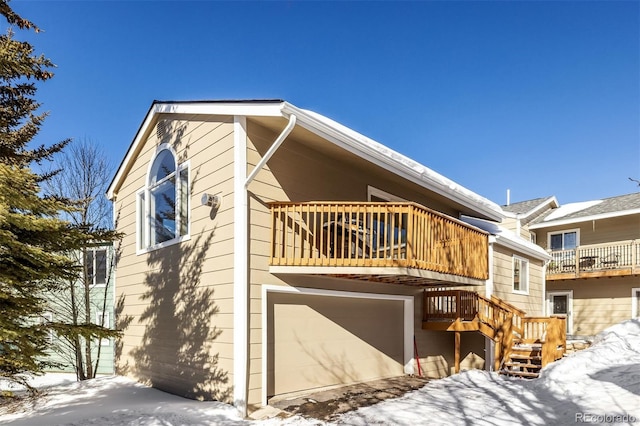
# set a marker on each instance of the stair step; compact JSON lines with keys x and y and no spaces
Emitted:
{"x":522,"y":365}
{"x":525,"y":374}
{"x":526,"y":350}
{"x":526,"y":357}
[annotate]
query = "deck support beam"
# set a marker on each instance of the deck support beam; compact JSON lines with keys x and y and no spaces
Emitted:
{"x":457,"y":352}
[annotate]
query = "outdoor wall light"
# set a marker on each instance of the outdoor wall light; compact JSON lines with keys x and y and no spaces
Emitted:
{"x":211,"y":200}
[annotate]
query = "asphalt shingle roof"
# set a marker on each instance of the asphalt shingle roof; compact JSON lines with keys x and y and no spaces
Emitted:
{"x":619,"y":203}
{"x":524,"y":206}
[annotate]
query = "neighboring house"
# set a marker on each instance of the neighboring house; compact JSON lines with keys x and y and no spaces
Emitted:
{"x":269,"y":251}
{"x":98,"y":263}
{"x":594,"y":275}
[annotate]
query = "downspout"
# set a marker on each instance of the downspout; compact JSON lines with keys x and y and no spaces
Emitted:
{"x":272,"y":150}
{"x":241,"y":254}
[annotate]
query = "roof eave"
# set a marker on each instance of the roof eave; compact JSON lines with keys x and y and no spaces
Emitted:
{"x":532,"y":250}
{"x":352,"y":144}
{"x":570,"y":221}
{"x":254,"y":108}
{"x":345,"y":139}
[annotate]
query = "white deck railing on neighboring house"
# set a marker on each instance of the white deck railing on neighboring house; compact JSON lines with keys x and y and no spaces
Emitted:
{"x":618,"y":258}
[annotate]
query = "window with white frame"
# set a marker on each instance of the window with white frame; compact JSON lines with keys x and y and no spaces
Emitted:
{"x":564,"y":240}
{"x":96,"y":264}
{"x":520,"y":275}
{"x":103,"y":319}
{"x":163,"y":205}
{"x":375,"y":194}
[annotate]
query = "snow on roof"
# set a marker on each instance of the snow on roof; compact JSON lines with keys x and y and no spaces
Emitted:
{"x":606,"y":208}
{"x":424,"y":174}
{"x":508,"y":238}
{"x":570,"y":208}
{"x":331,"y":130}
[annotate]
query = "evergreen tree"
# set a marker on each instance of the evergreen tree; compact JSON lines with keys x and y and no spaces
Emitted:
{"x":35,"y":240}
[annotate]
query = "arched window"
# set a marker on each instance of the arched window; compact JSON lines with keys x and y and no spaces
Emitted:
{"x":163,"y":205}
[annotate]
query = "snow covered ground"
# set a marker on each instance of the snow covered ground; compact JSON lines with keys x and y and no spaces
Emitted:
{"x":599,"y":385}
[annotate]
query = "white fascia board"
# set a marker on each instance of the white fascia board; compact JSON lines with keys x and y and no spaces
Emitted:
{"x":562,"y":222}
{"x":393,"y":161}
{"x":522,"y":246}
{"x":115,"y":183}
{"x":256,"y":109}
{"x":552,"y":201}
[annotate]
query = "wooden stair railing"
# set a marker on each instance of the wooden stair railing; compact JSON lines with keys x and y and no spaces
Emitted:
{"x":507,"y":325}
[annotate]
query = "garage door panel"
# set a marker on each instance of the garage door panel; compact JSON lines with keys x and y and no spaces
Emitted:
{"x":316,"y":341}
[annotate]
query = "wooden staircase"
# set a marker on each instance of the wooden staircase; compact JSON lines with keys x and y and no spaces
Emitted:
{"x":523,"y":345}
{"x":524,"y":361}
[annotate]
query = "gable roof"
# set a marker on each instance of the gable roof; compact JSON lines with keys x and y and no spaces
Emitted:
{"x":622,"y":205}
{"x":528,"y":211}
{"x":329,"y":130}
{"x":526,"y":207}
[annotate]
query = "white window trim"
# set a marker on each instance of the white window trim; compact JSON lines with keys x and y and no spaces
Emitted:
{"x":408,"y":321}
{"x":635,"y":293}
{"x":564,"y":231}
{"x":375,"y":192}
{"x":513,"y":278}
{"x":144,"y":246}
{"x":141,"y":225}
{"x":549,"y":310}
{"x":107,"y":269}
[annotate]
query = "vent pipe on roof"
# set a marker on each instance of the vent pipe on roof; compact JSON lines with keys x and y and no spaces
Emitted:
{"x":508,"y":197}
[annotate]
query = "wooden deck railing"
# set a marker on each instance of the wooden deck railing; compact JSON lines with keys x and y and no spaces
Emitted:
{"x":551,"y":332}
{"x":370,"y":234}
{"x":507,"y":323}
{"x":609,"y":259}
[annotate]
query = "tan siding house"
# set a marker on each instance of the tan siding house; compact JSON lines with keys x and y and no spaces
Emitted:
{"x":594,"y":275}
{"x":271,"y":251}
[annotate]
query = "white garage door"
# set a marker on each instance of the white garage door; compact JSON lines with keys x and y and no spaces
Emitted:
{"x":315,"y":341}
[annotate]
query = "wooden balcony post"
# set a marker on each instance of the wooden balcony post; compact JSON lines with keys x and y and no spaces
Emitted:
{"x":497,"y":353}
{"x":410,"y":238}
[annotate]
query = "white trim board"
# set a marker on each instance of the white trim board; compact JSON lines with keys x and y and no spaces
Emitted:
{"x":240,"y":266}
{"x":569,"y":294}
{"x":408,"y":320}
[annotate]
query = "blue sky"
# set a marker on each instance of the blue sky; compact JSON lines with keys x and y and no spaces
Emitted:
{"x":539,"y":97}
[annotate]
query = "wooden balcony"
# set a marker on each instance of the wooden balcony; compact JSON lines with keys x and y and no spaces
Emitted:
{"x":595,"y":261}
{"x":387,"y":242}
